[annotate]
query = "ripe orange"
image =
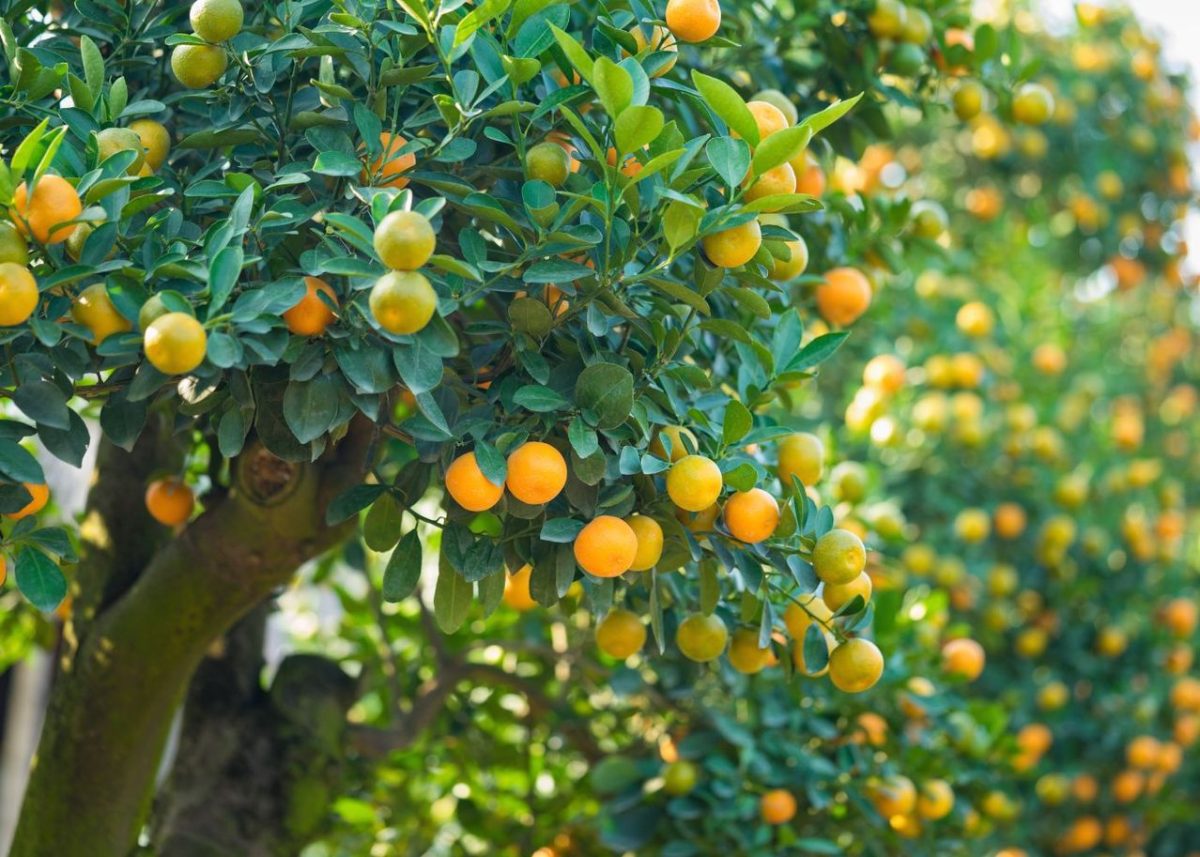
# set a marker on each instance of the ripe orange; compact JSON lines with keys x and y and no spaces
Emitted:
{"x":839,"y":557}
{"x":975,"y":319}
{"x":516,"y":589}
{"x":935,"y":800}
{"x":1143,"y":752}
{"x":843,"y":296}
{"x":310,"y":315}
{"x":402,"y":302}
{"x":1032,"y":104}
{"x":659,"y":40}
{"x":693,"y":20}
{"x":794,"y":265}
{"x":1009,"y":520}
{"x":780,"y":179}
{"x":110,"y":141}
{"x":733,"y":247}
{"x":885,"y":373}
{"x":548,"y":162}
{"x":45,"y":215}
{"x":198,"y":66}
{"x":701,"y":638}
{"x":745,"y":655}
{"x":963,"y":657}
{"x":797,"y":617}
{"x":388,"y":169}
{"x":801,"y":455}
{"x":767,"y":117}
{"x":892,"y":796}
{"x":94,"y":309}
{"x":1180,"y":616}
{"x":694,"y":483}
{"x":537,"y":473}
{"x":175,"y":343}
{"x":155,"y":140}
{"x":469,"y":487}
{"x":169,"y":501}
{"x":39,"y":495}
{"x":777,"y":806}
{"x":1127,"y":786}
{"x":855,"y":665}
{"x":621,"y":634}
{"x":676,"y":436}
{"x":837,"y":595}
{"x":649,"y":541}
{"x":405,"y":240}
{"x":751,"y":516}
{"x":873,"y":727}
{"x":606,"y":547}
{"x":18,"y":294}
{"x":216,"y":20}
{"x":810,"y":178}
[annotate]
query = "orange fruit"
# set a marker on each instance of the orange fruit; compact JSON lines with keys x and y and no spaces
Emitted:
{"x":1009,"y":520}
{"x":216,"y":20}
{"x":169,"y":501}
{"x":855,"y":665}
{"x":798,"y":616}
{"x":402,"y":302}
{"x":701,"y":638}
{"x":110,"y":141}
{"x":659,"y":40}
{"x":94,"y":309}
{"x":405,"y":240}
{"x":1032,"y":104}
{"x":777,"y":806}
{"x":606,"y":547}
{"x":810,"y":178}
{"x":679,"y":447}
{"x":745,"y":655}
{"x":548,"y":162}
{"x":751,"y":516}
{"x":45,"y":215}
{"x":935,"y":800}
{"x":801,"y":455}
{"x":1143,"y":752}
{"x":693,"y":20}
{"x":839,"y":557}
{"x":767,"y":117}
{"x":733,"y":247}
{"x":885,"y":373}
{"x":649,"y":535}
{"x":694,"y":483}
{"x":310,"y":315}
{"x":469,"y":487}
{"x":39,"y":495}
{"x":516,"y":589}
{"x":892,"y":796}
{"x":794,"y":265}
{"x":837,"y":595}
{"x":1180,"y":616}
{"x":155,"y":140}
{"x":621,"y":634}
{"x":388,"y":169}
{"x":963,"y":657}
{"x":777,"y":180}
{"x":198,"y":66}
{"x":1127,"y":786}
{"x":537,"y":473}
{"x":843,"y":296}
{"x":18,"y":294}
{"x":873,"y":727}
{"x":175,"y":343}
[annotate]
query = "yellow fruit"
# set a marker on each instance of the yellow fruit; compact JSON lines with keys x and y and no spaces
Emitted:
{"x":777,"y":180}
{"x":839,"y":557}
{"x":621,"y":634}
{"x":679,"y":778}
{"x":216,"y":20}
{"x":837,"y":596}
{"x":751,"y":516}
{"x":801,"y":455}
{"x":694,"y":483}
{"x":676,"y":437}
{"x":1032,"y":104}
{"x":794,"y":265}
{"x":95,"y":310}
{"x":110,"y":141}
{"x":701,"y":638}
{"x":975,"y":319}
{"x":767,"y":117}
{"x":516,"y":589}
{"x":537,"y":473}
{"x":155,"y":140}
{"x":968,"y":100}
{"x":745,"y":656}
{"x":649,"y":535}
{"x":972,"y":525}
{"x":175,"y":343}
{"x":855,"y":665}
{"x":798,"y":616}
{"x":929,"y":219}
{"x":46,"y":215}
{"x":733,"y":247}
{"x":468,"y":486}
{"x":892,"y":796}
{"x":404,"y":240}
{"x":606,"y":547}
{"x":693,"y":20}
{"x":935,"y":800}
{"x":18,"y":294}
{"x":548,"y":162}
{"x":198,"y":66}
{"x":963,"y":657}
{"x":402,"y":302}
{"x":660,"y":40}
{"x":885,"y":373}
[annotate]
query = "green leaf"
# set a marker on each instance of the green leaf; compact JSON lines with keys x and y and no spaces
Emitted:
{"x":539,"y":399}
{"x":403,"y":570}
{"x":780,"y":148}
{"x":728,"y":105}
{"x":637,"y":127}
{"x":93,"y":66}
{"x":818,"y":122}
{"x":604,"y":392}
{"x":738,"y":422}
{"x":383,"y":523}
{"x":223,"y":273}
{"x":613,"y":84}
{"x":486,"y":11}
{"x":816,"y":650}
{"x":817,"y":351}
{"x":310,"y":407}
{"x":575,"y":53}
{"x":451,"y":597}
{"x":43,"y":402}
{"x":710,"y":587}
{"x":335,"y":163}
{"x":18,"y":464}
{"x":680,"y":292}
{"x":741,"y":478}
{"x":681,"y":223}
{"x":730,"y":158}
{"x":560,"y":530}
{"x":351,"y":502}
{"x":40,"y":579}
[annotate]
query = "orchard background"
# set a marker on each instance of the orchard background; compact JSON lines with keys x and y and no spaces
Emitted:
{"x":531,"y":428}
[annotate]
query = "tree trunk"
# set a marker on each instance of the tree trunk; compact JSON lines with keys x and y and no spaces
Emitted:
{"x":147,"y":613}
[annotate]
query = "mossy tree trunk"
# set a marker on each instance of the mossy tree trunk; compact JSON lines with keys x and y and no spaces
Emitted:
{"x":147,"y":610}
